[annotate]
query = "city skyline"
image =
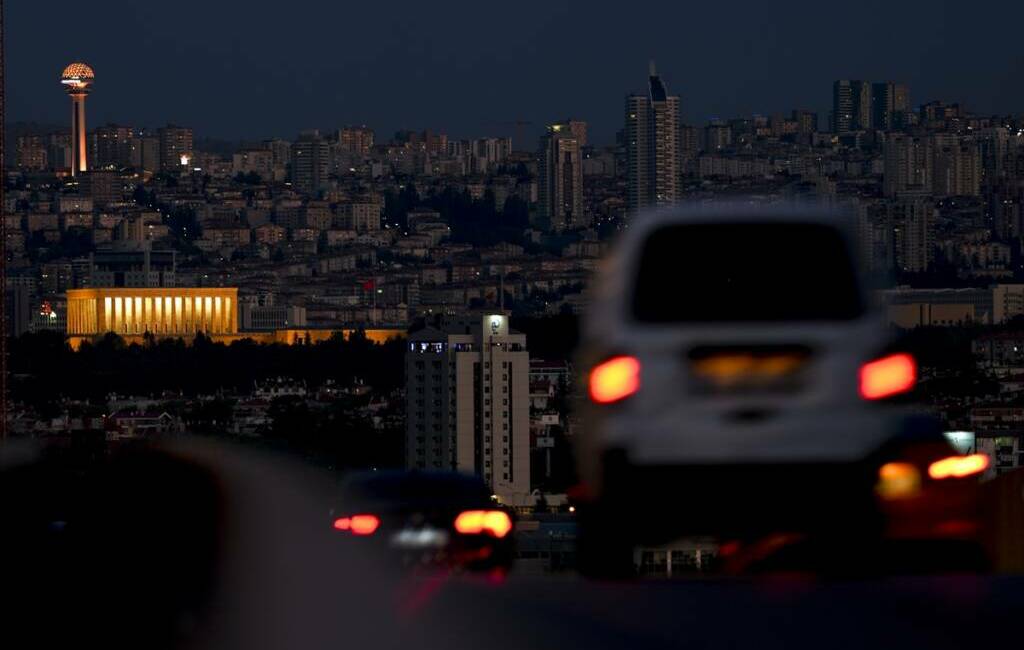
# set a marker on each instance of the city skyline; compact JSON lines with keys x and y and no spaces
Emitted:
{"x":348,"y":77}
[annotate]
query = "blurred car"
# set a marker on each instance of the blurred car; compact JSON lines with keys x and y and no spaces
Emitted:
{"x":426,"y":519}
{"x":734,"y":369}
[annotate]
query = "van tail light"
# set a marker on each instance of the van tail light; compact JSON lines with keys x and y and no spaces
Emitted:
{"x":614,"y":380}
{"x":358,"y":524}
{"x":888,"y":376}
{"x":958,"y":466}
{"x":495,"y":523}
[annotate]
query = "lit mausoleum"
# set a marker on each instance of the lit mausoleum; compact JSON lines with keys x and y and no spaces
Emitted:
{"x":160,"y":311}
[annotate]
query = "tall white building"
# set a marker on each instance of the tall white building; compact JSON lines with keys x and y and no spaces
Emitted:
{"x":652,"y":146}
{"x":467,"y":404}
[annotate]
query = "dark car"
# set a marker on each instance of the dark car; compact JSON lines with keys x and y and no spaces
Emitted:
{"x":426,"y":519}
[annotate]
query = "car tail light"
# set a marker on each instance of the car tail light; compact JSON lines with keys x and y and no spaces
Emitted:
{"x":958,"y":466}
{"x":474,"y":522}
{"x":358,"y":524}
{"x":898,"y":481}
{"x":614,"y":380}
{"x":890,"y":375}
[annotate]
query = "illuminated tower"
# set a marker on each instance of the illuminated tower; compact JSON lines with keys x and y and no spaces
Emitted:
{"x":77,"y":79}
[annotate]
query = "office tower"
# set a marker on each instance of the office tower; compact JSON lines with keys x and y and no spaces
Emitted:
{"x":112,"y":146}
{"x":311,"y":158}
{"x":851,"y":106}
{"x":561,"y":179}
{"x":652,"y":146}
{"x":467,"y":404}
{"x":77,"y":80}
{"x":176,"y":148}
{"x":889,"y":102}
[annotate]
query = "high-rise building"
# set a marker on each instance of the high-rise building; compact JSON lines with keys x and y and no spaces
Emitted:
{"x":578,"y":128}
{"x":176,"y":148}
{"x":112,"y":146}
{"x":561,"y":179}
{"x":907,"y":164}
{"x":356,"y":139}
{"x":311,"y":159}
{"x":956,"y":166}
{"x":652,"y":146}
{"x":467,"y":404}
{"x":890,"y":101}
{"x":146,"y":152}
{"x":912,"y":222}
{"x":851,"y":106}
{"x":30,"y":152}
{"x":77,"y":80}
{"x":806,"y":121}
{"x":59,"y":152}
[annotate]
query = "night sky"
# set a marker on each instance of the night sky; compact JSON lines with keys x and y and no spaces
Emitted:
{"x":261,"y":68}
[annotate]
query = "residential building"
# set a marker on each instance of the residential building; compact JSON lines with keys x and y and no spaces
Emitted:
{"x":561,"y":179}
{"x":652,"y":146}
{"x":467,"y":401}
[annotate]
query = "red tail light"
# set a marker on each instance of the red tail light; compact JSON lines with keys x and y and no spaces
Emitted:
{"x":614,"y":380}
{"x":958,"y":466}
{"x":493,"y":522}
{"x":890,"y":375}
{"x":358,"y":524}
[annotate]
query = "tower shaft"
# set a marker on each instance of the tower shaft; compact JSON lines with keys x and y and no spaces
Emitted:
{"x":79,"y":151}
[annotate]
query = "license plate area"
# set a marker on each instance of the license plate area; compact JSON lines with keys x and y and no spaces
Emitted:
{"x":753,"y":369}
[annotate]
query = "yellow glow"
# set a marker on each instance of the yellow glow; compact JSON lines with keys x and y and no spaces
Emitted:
{"x":898,"y":481}
{"x":614,"y":380}
{"x":958,"y":466}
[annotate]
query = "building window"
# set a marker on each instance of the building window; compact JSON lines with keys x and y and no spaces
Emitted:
{"x":504,"y":402}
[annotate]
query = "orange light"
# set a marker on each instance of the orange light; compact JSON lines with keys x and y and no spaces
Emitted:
{"x":898,"y":481}
{"x":614,"y":380}
{"x":365,"y":524}
{"x":474,"y":522}
{"x":891,"y":375}
{"x":358,"y":524}
{"x":958,"y":466}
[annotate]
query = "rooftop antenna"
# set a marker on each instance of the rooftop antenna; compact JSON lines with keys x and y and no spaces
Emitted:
{"x":651,"y":71}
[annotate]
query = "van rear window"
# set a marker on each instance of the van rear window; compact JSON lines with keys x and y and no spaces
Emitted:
{"x":746,"y":272}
